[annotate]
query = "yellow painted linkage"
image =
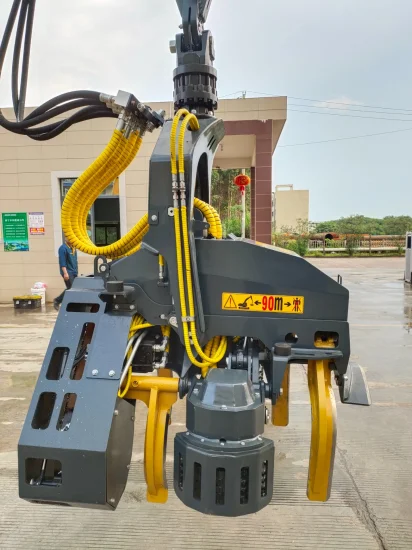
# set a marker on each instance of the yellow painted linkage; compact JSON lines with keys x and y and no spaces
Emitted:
{"x":159,"y":394}
{"x":280,"y":411}
{"x":323,"y":441}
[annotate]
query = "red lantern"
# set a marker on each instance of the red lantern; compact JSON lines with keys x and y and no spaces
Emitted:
{"x":242,"y":181}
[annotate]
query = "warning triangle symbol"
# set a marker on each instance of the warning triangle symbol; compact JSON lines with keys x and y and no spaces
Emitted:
{"x":230,"y":303}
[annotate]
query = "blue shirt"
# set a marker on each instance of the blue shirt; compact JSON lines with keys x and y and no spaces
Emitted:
{"x":68,"y":259}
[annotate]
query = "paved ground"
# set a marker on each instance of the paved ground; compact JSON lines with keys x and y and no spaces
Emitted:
{"x":371,"y":503}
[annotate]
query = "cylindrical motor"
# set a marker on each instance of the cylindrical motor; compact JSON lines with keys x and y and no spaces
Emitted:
{"x":222,"y":464}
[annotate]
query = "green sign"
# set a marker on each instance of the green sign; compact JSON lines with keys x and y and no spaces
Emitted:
{"x":15,"y":232}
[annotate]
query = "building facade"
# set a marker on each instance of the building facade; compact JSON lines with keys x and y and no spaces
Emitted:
{"x":289,"y":207}
{"x":35,"y":176}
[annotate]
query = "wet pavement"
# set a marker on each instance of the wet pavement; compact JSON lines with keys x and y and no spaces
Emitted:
{"x":371,"y":501}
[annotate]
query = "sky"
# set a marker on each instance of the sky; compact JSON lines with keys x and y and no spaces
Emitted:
{"x":354,"y":53}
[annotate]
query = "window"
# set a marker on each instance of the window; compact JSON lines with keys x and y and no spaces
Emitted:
{"x":103,"y":220}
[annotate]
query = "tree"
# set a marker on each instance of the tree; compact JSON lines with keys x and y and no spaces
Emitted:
{"x":358,"y":224}
{"x":227,"y":200}
{"x":397,"y":225}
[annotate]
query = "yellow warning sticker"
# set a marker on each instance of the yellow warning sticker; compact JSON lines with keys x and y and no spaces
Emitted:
{"x":263,"y":302}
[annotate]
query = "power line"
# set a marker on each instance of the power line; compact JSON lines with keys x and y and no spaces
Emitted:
{"x":348,"y":109}
{"x":344,"y":116}
{"x":333,"y":102}
{"x":344,"y":138}
{"x":335,"y":114}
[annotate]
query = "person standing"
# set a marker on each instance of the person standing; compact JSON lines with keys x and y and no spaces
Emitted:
{"x":68,"y":269}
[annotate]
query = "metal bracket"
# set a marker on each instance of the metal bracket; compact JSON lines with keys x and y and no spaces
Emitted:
{"x":101,"y":269}
{"x":353,"y":387}
{"x":283,"y":354}
{"x":119,"y":297}
{"x":153,"y":217}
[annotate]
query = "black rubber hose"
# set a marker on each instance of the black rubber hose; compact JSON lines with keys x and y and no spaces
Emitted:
{"x":8,"y":32}
{"x":16,"y":57}
{"x":26,"y":59}
{"x":68,"y":96}
{"x":57,"y":111}
{"x":56,"y":129}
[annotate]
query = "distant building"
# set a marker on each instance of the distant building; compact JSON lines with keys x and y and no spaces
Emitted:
{"x":289,"y":206}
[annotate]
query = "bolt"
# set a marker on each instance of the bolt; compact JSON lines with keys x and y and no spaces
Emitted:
{"x":128,"y":466}
{"x":154,"y":218}
{"x":202,"y":440}
{"x":112,"y":373}
{"x":222,"y":444}
{"x":345,"y":377}
{"x":116,"y":412}
{"x":172,"y":46}
{"x":103,"y":268}
{"x":112,"y":501}
{"x":187,"y":433}
{"x":259,"y":438}
{"x":242,"y":443}
{"x":131,"y":307}
{"x":281,"y":391}
{"x":223,"y":407}
{"x":173,"y":321}
{"x":116,"y":307}
{"x":95,"y":372}
{"x":132,"y":418}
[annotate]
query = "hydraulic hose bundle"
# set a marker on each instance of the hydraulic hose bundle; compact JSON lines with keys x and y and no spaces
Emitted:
{"x":114,"y":160}
{"x":215,"y":350}
{"x":88,"y":104}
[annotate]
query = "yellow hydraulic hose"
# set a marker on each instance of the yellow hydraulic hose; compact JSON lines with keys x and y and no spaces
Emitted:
{"x":219,"y":344}
{"x":115,"y":158}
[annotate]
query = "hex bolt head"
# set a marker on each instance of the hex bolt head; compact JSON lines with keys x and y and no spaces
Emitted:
{"x":116,"y":307}
{"x":112,"y":501}
{"x":103,"y":268}
{"x":223,"y":407}
{"x":116,"y":412}
{"x":112,"y":373}
{"x":242,"y":443}
{"x":132,"y":307}
{"x":154,"y":218}
{"x":95,"y":372}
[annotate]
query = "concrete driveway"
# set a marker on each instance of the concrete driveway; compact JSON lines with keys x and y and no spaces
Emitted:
{"x":371,"y":502}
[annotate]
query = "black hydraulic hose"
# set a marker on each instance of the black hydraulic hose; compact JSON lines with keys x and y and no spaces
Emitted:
{"x":57,"y":111}
{"x":80,"y":116}
{"x":16,"y":56}
{"x":8,"y":31}
{"x":26,"y":59}
{"x":68,"y":96}
{"x":87,"y":101}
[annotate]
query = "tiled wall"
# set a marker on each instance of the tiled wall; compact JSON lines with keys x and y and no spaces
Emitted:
{"x":28,"y":173}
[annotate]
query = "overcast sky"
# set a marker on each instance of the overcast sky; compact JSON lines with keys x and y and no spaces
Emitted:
{"x":347,"y":51}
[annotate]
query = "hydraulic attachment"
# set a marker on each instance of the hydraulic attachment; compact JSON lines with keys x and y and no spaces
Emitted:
{"x":176,"y":310}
